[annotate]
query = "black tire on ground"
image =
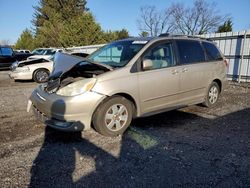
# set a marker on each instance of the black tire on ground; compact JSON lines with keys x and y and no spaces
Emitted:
{"x":212,"y":95}
{"x":41,"y":75}
{"x":102,"y":120}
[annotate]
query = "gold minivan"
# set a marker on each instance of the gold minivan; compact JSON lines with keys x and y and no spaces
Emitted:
{"x":129,"y":78}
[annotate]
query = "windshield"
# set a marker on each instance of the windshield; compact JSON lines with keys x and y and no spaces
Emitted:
{"x":117,"y":54}
{"x":49,"y":52}
{"x":38,"y":51}
{"x":52,"y":57}
{"x":44,"y":52}
{"x":6,"y":51}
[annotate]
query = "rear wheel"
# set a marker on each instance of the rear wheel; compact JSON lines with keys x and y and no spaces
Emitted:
{"x":113,"y":116}
{"x":212,"y":95}
{"x":41,"y":75}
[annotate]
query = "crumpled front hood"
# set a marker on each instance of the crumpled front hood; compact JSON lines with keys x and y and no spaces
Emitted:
{"x":69,"y":67}
{"x":31,"y":61}
{"x":65,"y":62}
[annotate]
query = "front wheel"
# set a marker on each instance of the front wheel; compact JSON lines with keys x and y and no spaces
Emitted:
{"x":212,"y":95}
{"x":41,"y":75}
{"x":113,"y":116}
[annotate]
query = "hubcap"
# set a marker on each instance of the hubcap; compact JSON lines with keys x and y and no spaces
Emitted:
{"x":213,"y":94}
{"x":42,"y":76}
{"x":116,"y":117}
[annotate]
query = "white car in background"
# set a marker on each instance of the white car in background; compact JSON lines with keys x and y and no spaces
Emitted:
{"x":44,"y":53}
{"x":36,"y":69}
{"x":32,"y":69}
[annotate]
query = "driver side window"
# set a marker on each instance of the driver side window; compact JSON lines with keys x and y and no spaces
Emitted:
{"x":161,"y":56}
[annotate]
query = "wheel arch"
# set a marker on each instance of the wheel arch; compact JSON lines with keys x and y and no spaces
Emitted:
{"x":130,"y":98}
{"x":123,"y":94}
{"x":219,"y":82}
{"x":40,"y":68}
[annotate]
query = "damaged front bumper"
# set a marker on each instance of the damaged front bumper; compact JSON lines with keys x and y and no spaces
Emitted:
{"x":64,"y":113}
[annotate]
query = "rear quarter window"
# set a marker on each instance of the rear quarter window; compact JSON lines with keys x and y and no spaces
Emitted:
{"x":212,"y":52}
{"x":190,"y":51}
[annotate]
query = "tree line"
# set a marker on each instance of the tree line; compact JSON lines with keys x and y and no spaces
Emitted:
{"x":65,"y":23}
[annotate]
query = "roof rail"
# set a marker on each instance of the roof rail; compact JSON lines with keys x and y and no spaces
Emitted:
{"x":180,"y":35}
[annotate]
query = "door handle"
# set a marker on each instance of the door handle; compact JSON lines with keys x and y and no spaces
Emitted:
{"x":175,"y":71}
{"x":184,"y":70}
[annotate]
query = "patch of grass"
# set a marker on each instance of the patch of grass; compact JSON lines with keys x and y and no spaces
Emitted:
{"x":143,"y":139}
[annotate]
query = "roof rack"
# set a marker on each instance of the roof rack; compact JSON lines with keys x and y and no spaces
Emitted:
{"x":179,"y":35}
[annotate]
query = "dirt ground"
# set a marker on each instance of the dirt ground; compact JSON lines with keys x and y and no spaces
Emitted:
{"x":190,"y":147}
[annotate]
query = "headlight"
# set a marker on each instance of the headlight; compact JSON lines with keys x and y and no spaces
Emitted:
{"x":15,"y":64}
{"x":22,"y":69}
{"x":77,"y":88}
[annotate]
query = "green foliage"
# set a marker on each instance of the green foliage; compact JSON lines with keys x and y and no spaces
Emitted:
{"x":81,"y":30}
{"x":115,"y":35}
{"x":25,"y":41}
{"x":144,"y":34}
{"x":122,"y":34}
{"x":226,"y":27}
{"x":52,"y":18}
{"x":64,"y":23}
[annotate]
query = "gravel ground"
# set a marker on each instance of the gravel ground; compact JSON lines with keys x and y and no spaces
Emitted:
{"x":190,"y":147}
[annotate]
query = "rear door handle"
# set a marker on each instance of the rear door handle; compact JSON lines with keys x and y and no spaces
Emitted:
{"x":175,"y":71}
{"x":184,"y":70}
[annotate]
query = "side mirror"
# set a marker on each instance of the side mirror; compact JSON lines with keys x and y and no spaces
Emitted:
{"x":147,"y":64}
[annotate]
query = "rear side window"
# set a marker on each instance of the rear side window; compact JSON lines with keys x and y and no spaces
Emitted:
{"x":190,"y":51}
{"x":212,"y":51}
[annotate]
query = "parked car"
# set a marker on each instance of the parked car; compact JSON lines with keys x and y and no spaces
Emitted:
{"x":8,"y":56}
{"x":23,"y":51}
{"x":32,"y":69}
{"x":129,"y":78}
{"x":35,"y":69}
{"x":20,"y":56}
{"x":45,"y":53}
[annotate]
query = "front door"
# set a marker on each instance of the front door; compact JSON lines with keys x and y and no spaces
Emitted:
{"x":159,"y":85}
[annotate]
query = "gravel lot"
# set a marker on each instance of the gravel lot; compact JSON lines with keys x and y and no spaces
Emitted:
{"x":190,"y":147}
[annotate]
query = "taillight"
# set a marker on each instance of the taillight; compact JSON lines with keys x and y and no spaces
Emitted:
{"x":226,"y":62}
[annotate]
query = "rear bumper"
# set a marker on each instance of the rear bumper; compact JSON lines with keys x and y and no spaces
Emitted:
{"x":65,"y":113}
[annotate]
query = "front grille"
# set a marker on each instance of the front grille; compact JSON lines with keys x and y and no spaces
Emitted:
{"x":39,"y":115}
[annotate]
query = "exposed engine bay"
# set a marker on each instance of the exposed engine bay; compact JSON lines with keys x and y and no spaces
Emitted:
{"x":78,"y":68}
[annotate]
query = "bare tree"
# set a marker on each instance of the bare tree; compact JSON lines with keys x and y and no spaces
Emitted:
{"x":202,"y":18}
{"x":154,"y":22}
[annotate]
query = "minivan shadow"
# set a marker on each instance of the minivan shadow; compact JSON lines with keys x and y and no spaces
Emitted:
{"x":145,"y":158}
{"x":171,"y":119}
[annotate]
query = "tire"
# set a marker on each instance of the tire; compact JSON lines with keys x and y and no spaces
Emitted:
{"x":41,"y":75}
{"x":113,"y":116}
{"x":212,"y":95}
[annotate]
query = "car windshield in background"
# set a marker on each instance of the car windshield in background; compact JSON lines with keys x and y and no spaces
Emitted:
{"x":52,"y":57}
{"x":49,"y":52}
{"x":38,"y":51}
{"x":5,"y":51}
{"x":117,"y":54}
